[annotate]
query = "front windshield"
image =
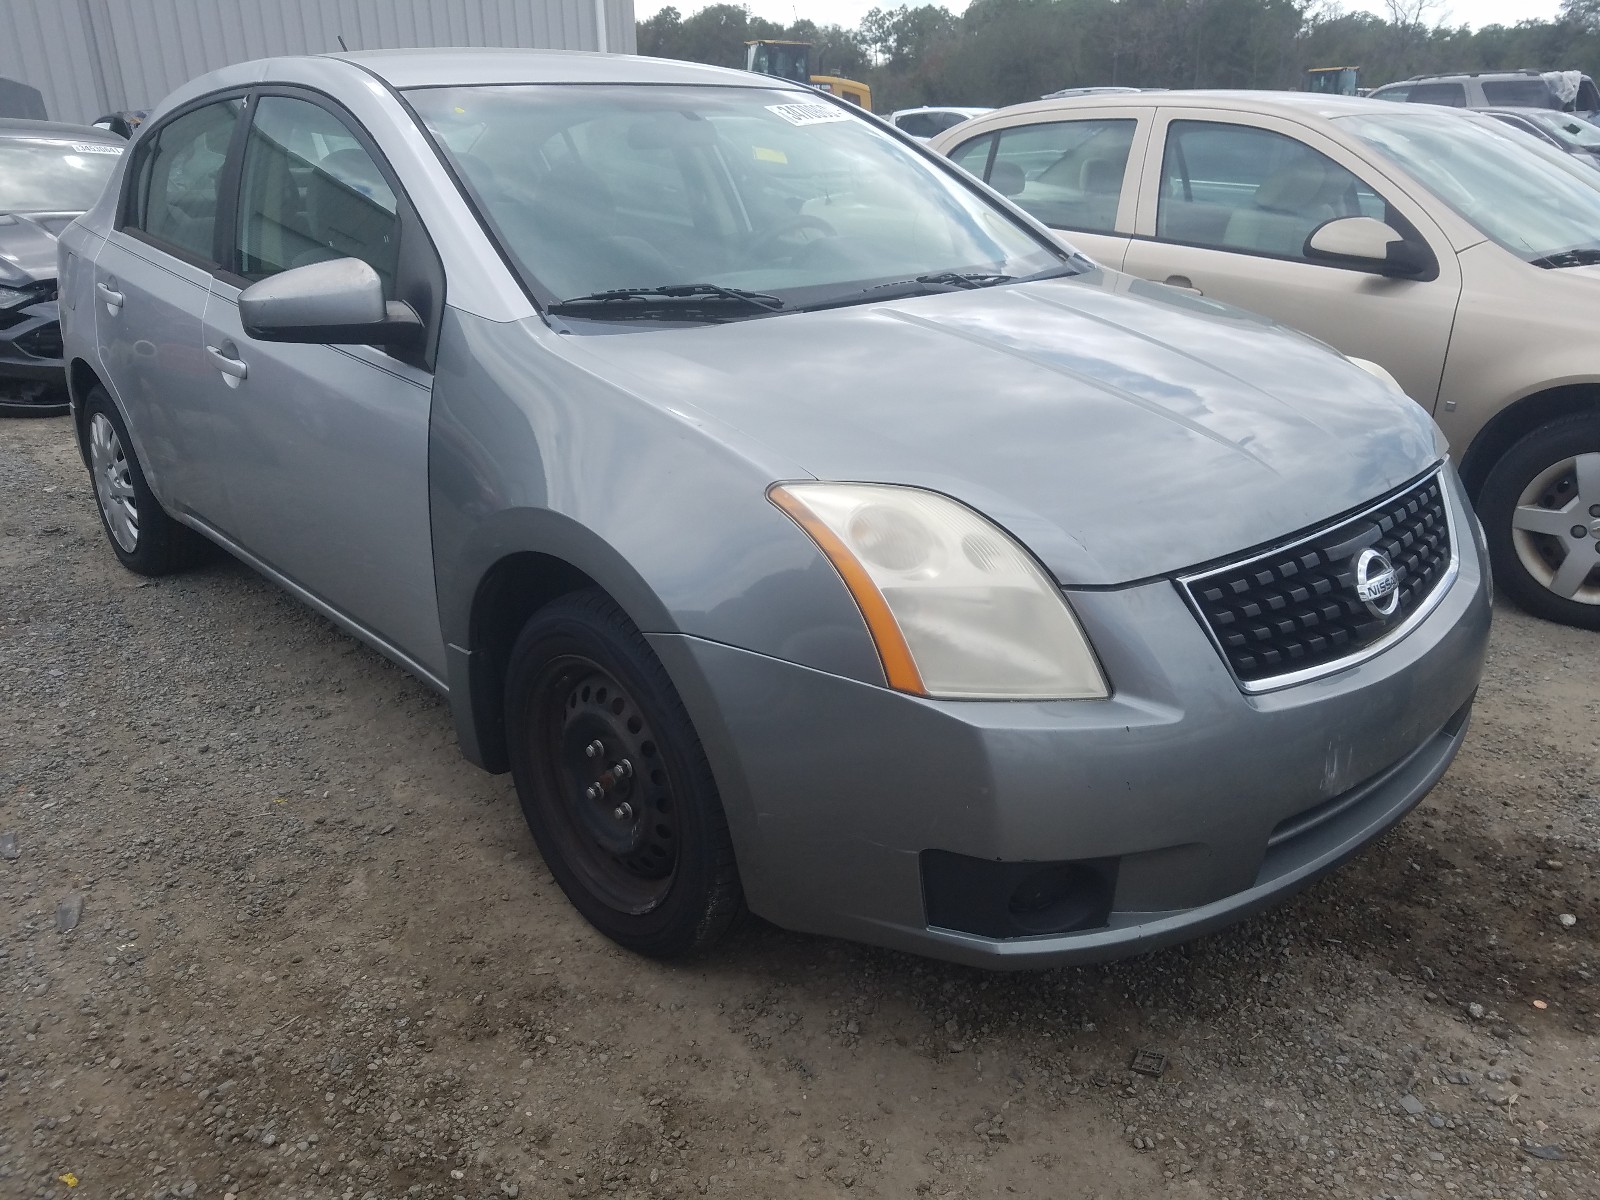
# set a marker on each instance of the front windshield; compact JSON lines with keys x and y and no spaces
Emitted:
{"x":50,"y":175}
{"x":1530,"y":198}
{"x":1573,"y":131}
{"x":595,"y":187}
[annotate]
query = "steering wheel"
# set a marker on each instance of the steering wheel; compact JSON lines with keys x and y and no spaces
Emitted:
{"x":765,"y":244}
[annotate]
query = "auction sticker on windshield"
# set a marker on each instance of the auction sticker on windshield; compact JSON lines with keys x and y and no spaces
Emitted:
{"x":808,"y":114}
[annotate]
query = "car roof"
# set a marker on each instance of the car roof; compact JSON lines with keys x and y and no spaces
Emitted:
{"x":1455,"y":75}
{"x":1522,"y":110}
{"x":1297,"y":104}
{"x":940,"y":108}
{"x":462,"y":66}
{"x":14,"y":127}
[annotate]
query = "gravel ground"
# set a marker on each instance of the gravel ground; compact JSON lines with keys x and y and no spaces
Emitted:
{"x":265,"y":933}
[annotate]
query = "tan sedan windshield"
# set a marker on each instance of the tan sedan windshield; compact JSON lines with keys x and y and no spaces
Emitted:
{"x":1532,"y":202}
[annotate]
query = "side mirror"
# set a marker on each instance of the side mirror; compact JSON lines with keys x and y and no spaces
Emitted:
{"x":334,"y":303}
{"x":1367,"y":244}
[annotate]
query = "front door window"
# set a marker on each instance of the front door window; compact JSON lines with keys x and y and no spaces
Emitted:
{"x":310,"y":193}
{"x":1234,"y":187}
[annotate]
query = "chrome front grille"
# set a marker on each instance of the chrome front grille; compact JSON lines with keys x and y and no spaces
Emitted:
{"x":1313,"y":604}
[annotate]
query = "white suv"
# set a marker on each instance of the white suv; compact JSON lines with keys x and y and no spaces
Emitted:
{"x":924,"y":123}
{"x":1569,"y":90}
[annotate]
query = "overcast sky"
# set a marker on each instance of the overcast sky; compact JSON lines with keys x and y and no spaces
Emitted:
{"x":849,"y":12}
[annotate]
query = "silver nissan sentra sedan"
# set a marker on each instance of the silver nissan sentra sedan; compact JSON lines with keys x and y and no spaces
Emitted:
{"x":802,"y":527}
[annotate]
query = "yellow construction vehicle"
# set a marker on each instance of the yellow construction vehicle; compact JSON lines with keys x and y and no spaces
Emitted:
{"x":792,"y":61}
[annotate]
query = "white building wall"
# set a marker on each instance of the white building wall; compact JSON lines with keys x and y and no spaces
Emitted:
{"x":89,"y":57}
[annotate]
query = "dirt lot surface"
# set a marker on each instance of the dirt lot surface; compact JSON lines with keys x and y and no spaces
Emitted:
{"x":265,"y":933}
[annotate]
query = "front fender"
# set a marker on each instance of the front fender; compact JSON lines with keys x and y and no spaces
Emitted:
{"x":531,"y":452}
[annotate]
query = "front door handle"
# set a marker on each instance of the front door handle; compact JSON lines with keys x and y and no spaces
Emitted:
{"x":1183,"y":284}
{"x":113,"y":298}
{"x":233,"y":368}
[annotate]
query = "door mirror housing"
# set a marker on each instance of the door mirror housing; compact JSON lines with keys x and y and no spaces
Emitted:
{"x":1367,"y":244}
{"x":334,"y":303}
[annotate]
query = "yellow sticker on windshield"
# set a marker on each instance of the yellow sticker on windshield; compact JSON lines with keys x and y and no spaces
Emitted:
{"x":763,"y":154}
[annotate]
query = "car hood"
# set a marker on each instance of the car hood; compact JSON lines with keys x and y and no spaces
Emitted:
{"x":28,"y":245}
{"x":1119,"y":429}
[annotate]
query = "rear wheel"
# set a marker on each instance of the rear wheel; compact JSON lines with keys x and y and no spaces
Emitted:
{"x":146,"y":540}
{"x":614,"y":783}
{"x":1541,"y":512}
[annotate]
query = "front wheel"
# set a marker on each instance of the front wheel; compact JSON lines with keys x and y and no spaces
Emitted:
{"x":614,"y":783}
{"x":1541,"y":512}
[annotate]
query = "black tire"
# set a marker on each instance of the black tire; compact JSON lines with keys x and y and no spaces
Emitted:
{"x":1542,"y":471}
{"x":647,"y":858}
{"x":159,"y":545}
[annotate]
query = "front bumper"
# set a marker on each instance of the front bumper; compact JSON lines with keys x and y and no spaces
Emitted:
{"x":30,"y":343}
{"x":1199,"y":804}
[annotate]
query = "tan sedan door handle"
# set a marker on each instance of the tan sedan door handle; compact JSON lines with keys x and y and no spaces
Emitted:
{"x":1181,"y":282}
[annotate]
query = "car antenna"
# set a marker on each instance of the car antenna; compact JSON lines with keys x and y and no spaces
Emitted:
{"x":342,"y":46}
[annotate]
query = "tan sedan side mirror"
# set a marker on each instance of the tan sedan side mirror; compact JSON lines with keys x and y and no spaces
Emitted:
{"x":1367,"y":244}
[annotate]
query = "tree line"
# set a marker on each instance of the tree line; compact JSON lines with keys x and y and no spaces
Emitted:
{"x":1001,"y":52}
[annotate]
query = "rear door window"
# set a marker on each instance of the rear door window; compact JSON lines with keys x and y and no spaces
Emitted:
{"x":1068,"y":174}
{"x":921,"y":125}
{"x":1517,"y":93}
{"x":1451,"y":95}
{"x":174,"y":198}
{"x":973,"y":156}
{"x":948,"y":120}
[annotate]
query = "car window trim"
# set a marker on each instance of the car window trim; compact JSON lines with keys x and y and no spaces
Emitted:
{"x":146,"y":145}
{"x":417,"y":254}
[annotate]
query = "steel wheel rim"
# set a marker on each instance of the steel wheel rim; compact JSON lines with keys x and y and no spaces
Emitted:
{"x":1557,"y":504}
{"x":613,"y":809}
{"x":113,"y":483}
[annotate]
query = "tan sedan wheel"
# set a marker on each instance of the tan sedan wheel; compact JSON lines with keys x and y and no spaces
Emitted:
{"x":1541,"y":511}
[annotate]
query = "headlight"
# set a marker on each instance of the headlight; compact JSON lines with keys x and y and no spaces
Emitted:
{"x":10,"y":297}
{"x":958,"y":610}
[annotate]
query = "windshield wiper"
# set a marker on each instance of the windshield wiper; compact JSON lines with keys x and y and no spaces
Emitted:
{"x":672,"y":297}
{"x":964,"y":279}
{"x":940,"y":281}
{"x":1581,"y":256}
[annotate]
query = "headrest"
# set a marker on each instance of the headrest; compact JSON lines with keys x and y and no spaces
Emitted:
{"x":1007,"y":178}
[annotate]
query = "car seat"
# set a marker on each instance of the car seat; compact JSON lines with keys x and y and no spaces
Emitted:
{"x":1288,"y":205}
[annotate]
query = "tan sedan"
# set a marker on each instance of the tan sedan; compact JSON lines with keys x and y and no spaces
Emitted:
{"x":1461,"y":257}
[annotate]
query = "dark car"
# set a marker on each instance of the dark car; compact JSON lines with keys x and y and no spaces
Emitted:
{"x":123,"y":122}
{"x":1567,"y":132}
{"x":49,"y":174}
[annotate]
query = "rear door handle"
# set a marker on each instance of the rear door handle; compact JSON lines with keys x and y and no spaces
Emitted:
{"x":113,"y":298}
{"x":233,"y":368}
{"x":1182,"y":283}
